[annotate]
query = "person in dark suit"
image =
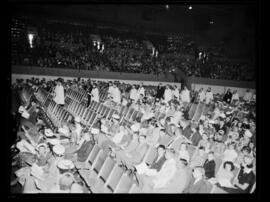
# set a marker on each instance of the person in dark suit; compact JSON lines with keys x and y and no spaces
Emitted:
{"x":197,"y":184}
{"x":89,"y":94}
{"x":160,"y":159}
{"x":160,"y":91}
{"x":228,"y":96}
{"x":196,"y":137}
{"x":210,"y":165}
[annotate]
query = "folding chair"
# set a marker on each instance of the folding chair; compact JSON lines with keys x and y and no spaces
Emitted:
{"x":93,"y":154}
{"x":93,"y":106}
{"x":134,"y":189}
{"x":191,"y":150}
{"x":106,"y":113}
{"x":101,"y":106}
{"x":93,"y":172}
{"x":217,"y":190}
{"x":81,"y":110}
{"x":102,"y":112}
{"x":113,"y":179}
{"x":91,"y":121}
{"x":219,"y":163}
{"x":111,"y":113}
{"x":76,"y":108}
{"x":150,"y":155}
{"x":124,"y":184}
{"x":192,"y":110}
{"x":166,"y":140}
{"x":134,"y":115}
{"x":130,"y":112}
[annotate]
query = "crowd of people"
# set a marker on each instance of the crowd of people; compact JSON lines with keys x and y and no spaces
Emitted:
{"x":223,"y":137}
{"x":58,"y":45}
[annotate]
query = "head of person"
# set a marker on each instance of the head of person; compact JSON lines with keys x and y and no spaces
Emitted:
{"x":228,"y":166}
{"x":231,"y":146}
{"x":246,"y":150}
{"x":211,"y":156}
{"x":198,"y":172}
{"x":42,"y":149}
{"x":161,"y":150}
{"x":201,"y":150}
{"x":66,"y":181}
{"x":183,"y":163}
{"x":248,"y":162}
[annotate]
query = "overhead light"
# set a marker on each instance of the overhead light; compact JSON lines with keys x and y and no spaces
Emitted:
{"x":211,"y":22}
{"x":167,"y":6}
{"x":190,"y":7}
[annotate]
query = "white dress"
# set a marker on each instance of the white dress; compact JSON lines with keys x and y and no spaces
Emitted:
{"x":208,"y":97}
{"x":167,"y":95}
{"x":95,"y":94}
{"x":185,"y":96}
{"x":59,"y":95}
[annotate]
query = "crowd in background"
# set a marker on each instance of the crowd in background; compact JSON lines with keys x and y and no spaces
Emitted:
{"x":225,"y":130}
{"x":70,"y":46}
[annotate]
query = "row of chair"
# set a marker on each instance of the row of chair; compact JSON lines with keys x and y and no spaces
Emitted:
{"x":103,"y":175}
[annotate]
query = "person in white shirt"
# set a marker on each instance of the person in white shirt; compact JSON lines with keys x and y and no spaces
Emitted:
{"x":176,"y":93}
{"x":95,"y":93}
{"x":134,"y":95}
{"x":230,"y":154}
{"x":59,"y":93}
{"x":141,"y":90}
{"x":235,"y":97}
{"x":154,"y":179}
{"x":185,"y":95}
{"x":117,"y":95}
{"x":167,"y":94}
{"x":110,"y":89}
{"x":202,"y":95}
{"x":208,"y":96}
{"x":183,"y":152}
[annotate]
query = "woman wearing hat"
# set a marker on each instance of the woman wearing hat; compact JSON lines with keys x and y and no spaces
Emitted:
{"x":64,"y":184}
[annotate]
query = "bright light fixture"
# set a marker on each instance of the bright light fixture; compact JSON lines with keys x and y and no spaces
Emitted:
{"x":190,"y":7}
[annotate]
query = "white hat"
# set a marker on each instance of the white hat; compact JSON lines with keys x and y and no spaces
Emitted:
{"x":48,"y":132}
{"x":77,"y":119}
{"x":135,"y":127}
{"x":53,"y":141}
{"x":59,"y":149}
{"x":248,"y":134}
{"x":65,"y":164}
{"x":95,"y":131}
{"x":116,"y":116}
{"x":40,"y":145}
{"x":21,"y":109}
{"x":228,"y":112}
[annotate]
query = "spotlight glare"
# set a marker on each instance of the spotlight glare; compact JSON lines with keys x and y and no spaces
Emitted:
{"x":190,"y":7}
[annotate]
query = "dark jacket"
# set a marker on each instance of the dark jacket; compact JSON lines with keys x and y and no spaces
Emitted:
{"x":195,"y":139}
{"x":158,"y":164}
{"x":209,"y":167}
{"x":227,"y":97}
{"x":200,"y":187}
